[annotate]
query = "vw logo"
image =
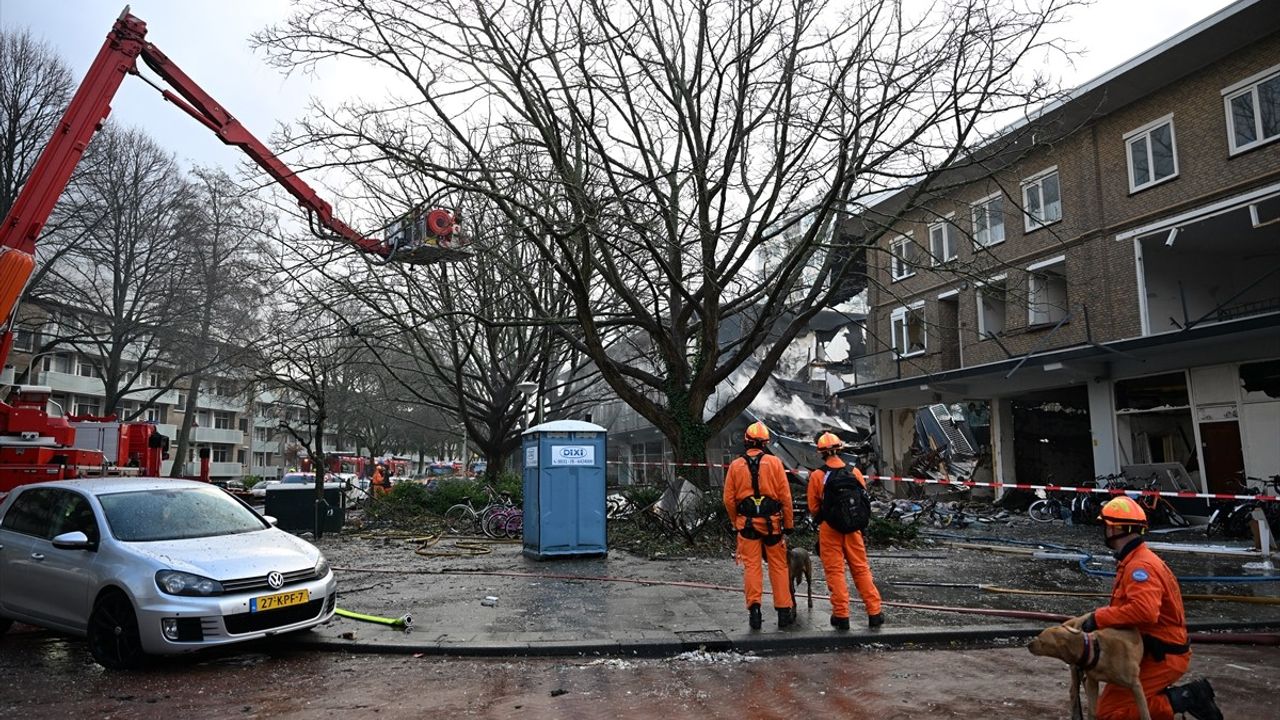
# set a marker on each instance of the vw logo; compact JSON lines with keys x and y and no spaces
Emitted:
{"x":275,"y":580}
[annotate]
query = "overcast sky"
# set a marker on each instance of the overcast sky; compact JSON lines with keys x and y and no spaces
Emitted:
{"x":210,"y":41}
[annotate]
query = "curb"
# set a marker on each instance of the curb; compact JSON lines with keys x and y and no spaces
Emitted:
{"x":662,"y":644}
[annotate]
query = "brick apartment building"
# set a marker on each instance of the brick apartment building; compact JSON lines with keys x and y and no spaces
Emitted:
{"x":1109,"y":288}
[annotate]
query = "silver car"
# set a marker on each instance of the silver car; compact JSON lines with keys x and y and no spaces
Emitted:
{"x":153,"y":566}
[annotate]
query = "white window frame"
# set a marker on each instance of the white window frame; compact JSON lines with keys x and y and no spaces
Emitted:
{"x":1248,"y":86}
{"x":949,"y":240}
{"x":901,"y":314}
{"x":1031,"y":272}
{"x":980,"y":205}
{"x":1145,"y":131}
{"x":982,"y":326}
{"x":1030,"y":223}
{"x":895,"y":258}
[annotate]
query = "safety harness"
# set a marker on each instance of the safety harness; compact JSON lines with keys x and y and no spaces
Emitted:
{"x":759,"y":505}
{"x":1158,"y":649}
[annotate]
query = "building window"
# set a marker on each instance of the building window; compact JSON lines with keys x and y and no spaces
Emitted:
{"x":988,"y":221}
{"x":182,"y":401}
{"x":903,"y":263}
{"x":86,"y":368}
{"x":220,"y":454}
{"x":1253,"y":110}
{"x":22,"y":339}
{"x":153,"y":414}
{"x":60,"y":362}
{"x":222,"y":421}
{"x":88,"y":406}
{"x":1047,"y":292}
{"x":1153,"y":154}
{"x":240,"y":456}
{"x":942,"y":242}
{"x":1042,"y":199}
{"x":992,"y":305}
{"x":907,"y":325}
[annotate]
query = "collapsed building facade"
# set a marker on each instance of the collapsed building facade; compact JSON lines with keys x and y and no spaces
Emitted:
{"x":1103,"y":293}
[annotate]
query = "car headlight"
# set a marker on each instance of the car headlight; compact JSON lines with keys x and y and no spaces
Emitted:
{"x":181,"y":583}
{"x":322,"y":568}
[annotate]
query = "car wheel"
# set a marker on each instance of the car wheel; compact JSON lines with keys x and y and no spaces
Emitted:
{"x":5,"y":624}
{"x":113,"y":633}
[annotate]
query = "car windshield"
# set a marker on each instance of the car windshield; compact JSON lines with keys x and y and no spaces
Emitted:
{"x":176,"y":514}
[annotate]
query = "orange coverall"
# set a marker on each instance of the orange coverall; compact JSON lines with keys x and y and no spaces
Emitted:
{"x":1145,"y":597}
{"x":773,"y":483}
{"x":837,"y":548}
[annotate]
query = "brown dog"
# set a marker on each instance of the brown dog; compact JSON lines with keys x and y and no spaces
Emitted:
{"x":1110,"y":655}
{"x":798,"y":565}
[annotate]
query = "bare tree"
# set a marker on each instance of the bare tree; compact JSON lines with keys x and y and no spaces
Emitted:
{"x":651,"y":151}
{"x":312,"y":364}
{"x":122,"y":285}
{"x":224,"y":250}
{"x":462,"y":337}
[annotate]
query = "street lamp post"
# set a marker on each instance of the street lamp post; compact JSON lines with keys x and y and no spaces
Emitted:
{"x":529,"y":389}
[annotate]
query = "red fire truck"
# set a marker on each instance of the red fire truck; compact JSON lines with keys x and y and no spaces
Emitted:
{"x":35,"y":446}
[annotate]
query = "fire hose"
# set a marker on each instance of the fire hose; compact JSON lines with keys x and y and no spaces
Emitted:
{"x":403,"y":622}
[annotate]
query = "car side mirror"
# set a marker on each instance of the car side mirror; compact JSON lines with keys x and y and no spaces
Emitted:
{"x":75,"y":540}
{"x":271,"y":520}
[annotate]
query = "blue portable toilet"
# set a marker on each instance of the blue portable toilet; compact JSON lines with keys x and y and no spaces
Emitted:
{"x":564,"y":509}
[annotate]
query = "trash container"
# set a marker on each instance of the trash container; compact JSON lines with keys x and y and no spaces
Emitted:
{"x":294,"y":507}
{"x":564,"y":495}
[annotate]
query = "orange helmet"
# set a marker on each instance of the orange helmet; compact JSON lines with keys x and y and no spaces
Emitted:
{"x":1123,"y":510}
{"x":829,"y":442}
{"x":756,"y":432}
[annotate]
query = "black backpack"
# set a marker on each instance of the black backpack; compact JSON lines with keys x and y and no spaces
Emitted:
{"x":846,"y":506}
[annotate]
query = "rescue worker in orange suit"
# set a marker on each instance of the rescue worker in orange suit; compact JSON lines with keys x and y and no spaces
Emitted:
{"x":758,"y":500}
{"x":837,"y":549}
{"x":1146,"y":597}
{"x":379,"y":481}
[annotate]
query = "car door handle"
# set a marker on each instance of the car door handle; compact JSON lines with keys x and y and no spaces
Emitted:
{"x":37,"y":556}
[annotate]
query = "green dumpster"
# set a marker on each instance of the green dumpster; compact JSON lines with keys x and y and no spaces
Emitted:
{"x":294,"y":507}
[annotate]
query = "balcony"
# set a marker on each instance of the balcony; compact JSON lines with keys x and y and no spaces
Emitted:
{"x":872,"y":369}
{"x":266,"y":471}
{"x":217,"y":436}
{"x":216,"y":469}
{"x":61,"y":382}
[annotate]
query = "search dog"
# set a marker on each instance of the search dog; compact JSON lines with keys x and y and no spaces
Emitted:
{"x":1110,"y":655}
{"x":799,"y":565}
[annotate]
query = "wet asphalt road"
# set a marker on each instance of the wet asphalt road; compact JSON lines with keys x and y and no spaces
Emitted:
{"x":47,"y":676}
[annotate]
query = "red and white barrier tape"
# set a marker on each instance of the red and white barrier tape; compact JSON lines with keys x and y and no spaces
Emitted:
{"x":1015,"y":486}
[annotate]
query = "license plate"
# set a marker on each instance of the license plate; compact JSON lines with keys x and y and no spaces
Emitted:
{"x":271,"y":602}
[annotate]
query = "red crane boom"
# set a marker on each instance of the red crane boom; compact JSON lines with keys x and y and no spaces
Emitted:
{"x":31,"y":442}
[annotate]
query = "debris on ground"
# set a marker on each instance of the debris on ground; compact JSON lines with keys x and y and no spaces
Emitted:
{"x":705,"y":657}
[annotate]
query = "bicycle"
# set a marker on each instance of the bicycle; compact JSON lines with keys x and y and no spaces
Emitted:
{"x":1158,"y":508}
{"x":463,"y":519}
{"x":1086,"y":506}
{"x":505,"y":522}
{"x":1232,"y":518}
{"x":1050,"y":509}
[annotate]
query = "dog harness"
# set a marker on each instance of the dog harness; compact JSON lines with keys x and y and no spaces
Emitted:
{"x":1091,"y":654}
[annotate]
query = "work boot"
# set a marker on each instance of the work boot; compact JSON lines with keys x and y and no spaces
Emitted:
{"x":1195,"y":698}
{"x":755,"y":619}
{"x":875,"y":621}
{"x":840,"y":623}
{"x":786,"y":617}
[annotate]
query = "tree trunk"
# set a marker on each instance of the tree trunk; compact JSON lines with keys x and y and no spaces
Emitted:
{"x":318,"y":466}
{"x":182,"y":442}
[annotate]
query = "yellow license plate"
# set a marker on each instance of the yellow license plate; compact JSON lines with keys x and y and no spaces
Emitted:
{"x":271,"y":602}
